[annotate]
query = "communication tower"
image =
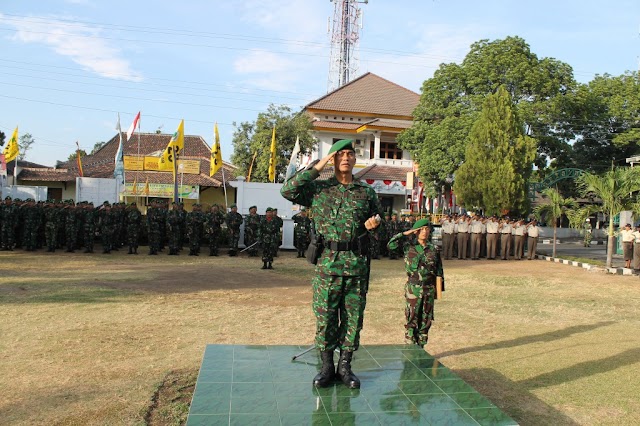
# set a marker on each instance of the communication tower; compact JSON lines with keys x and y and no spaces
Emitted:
{"x":345,"y":38}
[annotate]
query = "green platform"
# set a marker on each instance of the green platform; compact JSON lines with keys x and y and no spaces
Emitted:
{"x":401,"y":385}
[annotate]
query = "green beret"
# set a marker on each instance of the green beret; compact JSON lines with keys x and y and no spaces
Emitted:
{"x":269,"y":209}
{"x":303,"y":209}
{"x":253,"y":207}
{"x":7,"y":198}
{"x":342,"y":144}
{"x":233,"y":205}
{"x":420,"y":223}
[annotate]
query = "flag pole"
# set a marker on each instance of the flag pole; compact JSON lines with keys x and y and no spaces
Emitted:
{"x":224,"y":188}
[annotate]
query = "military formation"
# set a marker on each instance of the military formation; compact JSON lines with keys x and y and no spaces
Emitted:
{"x":475,"y":236}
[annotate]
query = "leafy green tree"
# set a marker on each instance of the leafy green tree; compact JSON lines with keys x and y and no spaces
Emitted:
{"x":252,"y":141}
{"x":614,"y":189}
{"x":498,"y":160}
{"x":24,"y":143}
{"x":96,"y":147}
{"x":452,"y":100}
{"x":553,"y":210}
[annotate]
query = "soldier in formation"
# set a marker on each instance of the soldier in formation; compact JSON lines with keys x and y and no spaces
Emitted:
{"x":302,"y":231}
{"x":233,"y":221}
{"x":134,"y":220}
{"x":213,"y":228}
{"x":251,"y":225}
{"x":268,"y":238}
{"x":195,"y":223}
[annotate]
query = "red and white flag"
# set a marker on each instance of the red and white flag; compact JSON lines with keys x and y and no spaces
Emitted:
{"x":133,"y":126}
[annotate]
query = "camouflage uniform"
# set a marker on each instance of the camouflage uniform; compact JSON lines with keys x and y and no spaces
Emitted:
{"x":107,"y":227}
{"x":89,"y":227}
{"x":195,"y":220}
{"x":8,"y":215}
{"x":154,"y":226}
{"x":301,"y":232}
{"x":134,"y":219}
{"x":31,"y":225}
{"x":174,"y":218}
{"x":233,"y":220}
{"x":52,"y":221}
{"x":212,"y":227}
{"x":279,"y":223}
{"x":70,"y":226}
{"x":267,"y":235}
{"x":251,"y":225}
{"x":341,"y":281}
{"x":423,"y":265}
{"x":392,"y":227}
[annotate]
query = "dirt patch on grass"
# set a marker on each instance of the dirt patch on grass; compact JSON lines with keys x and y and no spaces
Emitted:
{"x":170,"y":402}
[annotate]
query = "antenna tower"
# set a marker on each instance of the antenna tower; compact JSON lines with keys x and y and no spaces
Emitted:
{"x":345,"y":38}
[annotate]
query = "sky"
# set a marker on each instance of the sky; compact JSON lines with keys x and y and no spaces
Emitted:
{"x":68,"y":67}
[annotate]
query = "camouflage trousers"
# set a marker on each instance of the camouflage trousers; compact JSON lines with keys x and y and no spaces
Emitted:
{"x":89,"y":237}
{"x":234,"y":238}
{"x":268,"y":251}
{"x":7,"y":236}
{"x":419,"y":311}
{"x":51,"y":233}
{"x":214,"y":237}
{"x":133,"y":233}
{"x":154,"y":239}
{"x":338,"y":304}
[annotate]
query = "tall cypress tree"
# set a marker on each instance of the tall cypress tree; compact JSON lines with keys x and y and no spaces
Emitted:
{"x":498,"y":160}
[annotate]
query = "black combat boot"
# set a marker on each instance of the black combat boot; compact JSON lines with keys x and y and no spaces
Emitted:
{"x":130,"y":250}
{"x":344,"y":372}
{"x":327,"y":372}
{"x":270,"y":266}
{"x":264,"y":265}
{"x":135,"y":250}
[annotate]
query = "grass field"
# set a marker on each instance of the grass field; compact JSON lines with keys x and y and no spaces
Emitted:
{"x":87,"y":339}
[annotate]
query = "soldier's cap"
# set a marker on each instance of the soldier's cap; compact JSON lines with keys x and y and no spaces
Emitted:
{"x":420,"y":223}
{"x":269,"y":209}
{"x":7,"y":198}
{"x":303,"y":209}
{"x":17,"y":199}
{"x":233,"y":205}
{"x":628,"y":224}
{"x":90,"y":203}
{"x":105,"y":203}
{"x":29,"y":200}
{"x":253,"y":207}
{"x":341,"y":145}
{"x":394,"y":213}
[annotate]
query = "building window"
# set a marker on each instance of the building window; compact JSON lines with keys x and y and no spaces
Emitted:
{"x":390,"y":150}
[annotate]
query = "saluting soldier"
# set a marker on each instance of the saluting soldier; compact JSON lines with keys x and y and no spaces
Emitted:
{"x":302,"y":231}
{"x":505,"y":230}
{"x":492,"y":237}
{"x":533,"y":232}
{"x":463,"y":237}
{"x":475,"y":228}
{"x":233,"y":220}
{"x":251,"y":225}
{"x":268,"y":237}
{"x":346,"y":211}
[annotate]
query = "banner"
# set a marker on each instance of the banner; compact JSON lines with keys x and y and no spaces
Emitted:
{"x":134,"y":163}
{"x":216,"y":153}
{"x":161,"y":190}
{"x":151,"y":164}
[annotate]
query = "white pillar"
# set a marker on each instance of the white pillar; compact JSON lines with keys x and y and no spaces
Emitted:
{"x":376,"y":146}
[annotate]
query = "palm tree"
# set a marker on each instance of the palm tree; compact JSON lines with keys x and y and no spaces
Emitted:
{"x":553,"y":210}
{"x":614,"y":189}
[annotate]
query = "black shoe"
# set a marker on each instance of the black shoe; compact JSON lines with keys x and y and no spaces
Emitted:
{"x":264,"y":265}
{"x":327,"y":371}
{"x":130,"y":251}
{"x":344,"y":372}
{"x":270,"y":266}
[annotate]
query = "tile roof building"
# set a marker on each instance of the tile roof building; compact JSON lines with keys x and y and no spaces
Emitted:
{"x":372,"y":111}
{"x":143,"y":146}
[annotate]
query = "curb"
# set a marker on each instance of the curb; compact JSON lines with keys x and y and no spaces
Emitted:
{"x":588,"y":266}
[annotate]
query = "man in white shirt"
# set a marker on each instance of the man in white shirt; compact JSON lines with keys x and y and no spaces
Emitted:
{"x":476,"y":237}
{"x":519,"y":240}
{"x":463,"y":237}
{"x":533,"y":231}
{"x":505,"y":238}
{"x":447,"y":237}
{"x":627,"y":244}
{"x":492,"y":237}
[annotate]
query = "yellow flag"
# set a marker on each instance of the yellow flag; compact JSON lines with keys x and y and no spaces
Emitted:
{"x":216,"y":153}
{"x":146,"y":188}
{"x":134,"y":191}
{"x":174,"y":149}
{"x":11,"y":150}
{"x":272,"y":160}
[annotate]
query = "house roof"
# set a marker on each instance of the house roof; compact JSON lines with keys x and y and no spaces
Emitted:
{"x":101,"y":163}
{"x":22,"y":164}
{"x":333,"y":125}
{"x":381,"y":172}
{"x":385,"y":124}
{"x":369,"y":94}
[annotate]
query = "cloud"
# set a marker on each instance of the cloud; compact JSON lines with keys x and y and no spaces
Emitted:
{"x":269,"y":71}
{"x":79,"y":42}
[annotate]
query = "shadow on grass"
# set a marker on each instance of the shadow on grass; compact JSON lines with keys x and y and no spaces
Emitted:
{"x":62,"y":293}
{"x":583,"y":369}
{"x":525,"y":340}
{"x":514,"y":398}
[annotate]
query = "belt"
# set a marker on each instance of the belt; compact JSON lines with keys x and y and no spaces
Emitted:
{"x":492,"y":233}
{"x":476,"y":232}
{"x":341,"y":245}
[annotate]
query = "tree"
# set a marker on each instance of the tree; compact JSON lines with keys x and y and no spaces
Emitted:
{"x":452,"y":100}
{"x":96,"y":147}
{"x":553,"y":210}
{"x":24,"y":143}
{"x":254,"y":139}
{"x":498,"y":160}
{"x":614,"y":189}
